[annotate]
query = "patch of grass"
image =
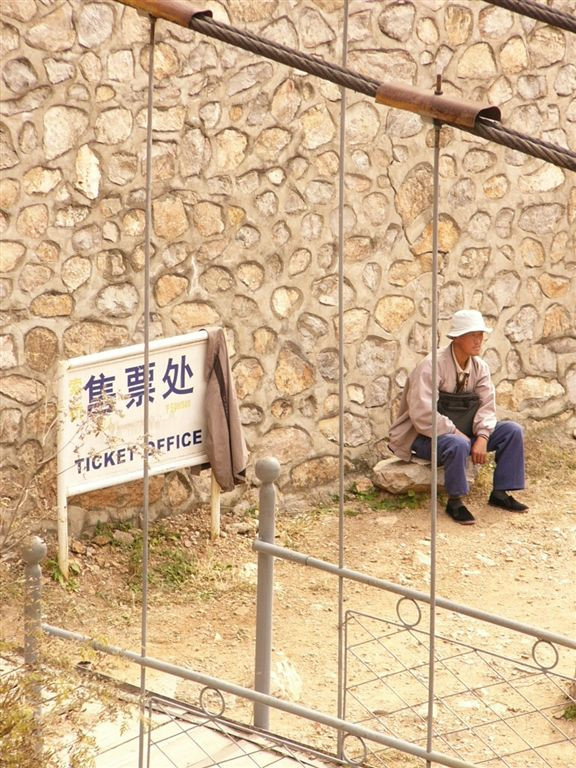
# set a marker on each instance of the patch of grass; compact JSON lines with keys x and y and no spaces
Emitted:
{"x":214,"y":578}
{"x":173,"y":567}
{"x":570,"y":712}
{"x":291,"y":531}
{"x":199,"y":575}
{"x":52,"y":569}
{"x":108,"y":527}
{"x":483,"y":475}
{"x":380,"y":501}
{"x":169,"y":563}
{"x":368,"y":497}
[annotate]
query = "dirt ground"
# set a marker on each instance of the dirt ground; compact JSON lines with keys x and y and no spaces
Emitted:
{"x":521,"y":566}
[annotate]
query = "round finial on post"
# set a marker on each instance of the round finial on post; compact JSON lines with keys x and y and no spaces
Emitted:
{"x":34,"y":551}
{"x":267,"y":469}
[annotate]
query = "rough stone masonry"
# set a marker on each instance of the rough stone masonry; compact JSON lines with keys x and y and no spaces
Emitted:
{"x":245,"y":217}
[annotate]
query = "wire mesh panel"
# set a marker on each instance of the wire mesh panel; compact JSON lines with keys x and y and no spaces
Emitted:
{"x":502,"y":698}
{"x":185,"y":736}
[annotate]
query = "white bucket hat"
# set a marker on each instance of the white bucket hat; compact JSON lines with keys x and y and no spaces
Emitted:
{"x":467,"y":321}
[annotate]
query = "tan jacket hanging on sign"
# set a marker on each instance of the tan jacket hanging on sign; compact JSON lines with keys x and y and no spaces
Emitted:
{"x":225,"y":443}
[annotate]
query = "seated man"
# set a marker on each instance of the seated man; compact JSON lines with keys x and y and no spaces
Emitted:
{"x":464,"y":382}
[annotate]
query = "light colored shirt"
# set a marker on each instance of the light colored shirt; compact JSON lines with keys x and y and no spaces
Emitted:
{"x":462,"y":374}
{"x":415,"y":416}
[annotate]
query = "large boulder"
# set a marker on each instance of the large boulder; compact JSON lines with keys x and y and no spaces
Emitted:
{"x":397,"y":476}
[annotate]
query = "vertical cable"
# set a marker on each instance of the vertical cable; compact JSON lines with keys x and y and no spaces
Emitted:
{"x":434,"y":457}
{"x":341,"y":169}
{"x":145,"y":476}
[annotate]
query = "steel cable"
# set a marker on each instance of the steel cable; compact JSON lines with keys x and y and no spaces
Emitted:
{"x":341,"y":700}
{"x":539,"y":12}
{"x":496,"y":132}
{"x":146,"y":411}
{"x":434,"y":296}
{"x":281,"y":53}
{"x":484,"y":128}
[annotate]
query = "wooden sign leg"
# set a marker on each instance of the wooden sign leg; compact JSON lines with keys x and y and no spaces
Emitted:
{"x":214,"y":508}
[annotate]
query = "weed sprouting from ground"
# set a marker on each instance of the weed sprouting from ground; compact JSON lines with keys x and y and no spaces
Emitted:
{"x":169,"y":562}
{"x":570,"y":712}
{"x":380,"y":501}
{"x":201,"y":573}
{"x":52,"y":569}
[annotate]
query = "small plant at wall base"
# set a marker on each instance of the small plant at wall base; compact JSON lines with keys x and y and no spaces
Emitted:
{"x":52,"y":569}
{"x":379,"y":501}
{"x":169,"y":562}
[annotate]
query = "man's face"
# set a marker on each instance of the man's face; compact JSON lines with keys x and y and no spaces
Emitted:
{"x":469,"y":344}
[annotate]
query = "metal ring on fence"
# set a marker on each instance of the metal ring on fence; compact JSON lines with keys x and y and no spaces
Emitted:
{"x":205,"y":705}
{"x":399,"y":612}
{"x":545,"y":667}
{"x":364,"y":752}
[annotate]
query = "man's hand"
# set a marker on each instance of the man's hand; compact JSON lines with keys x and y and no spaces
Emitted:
{"x":478,"y":451}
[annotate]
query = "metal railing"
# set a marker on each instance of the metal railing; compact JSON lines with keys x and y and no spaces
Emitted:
{"x":499,"y":695}
{"x":370,"y":741}
{"x":510,"y":674}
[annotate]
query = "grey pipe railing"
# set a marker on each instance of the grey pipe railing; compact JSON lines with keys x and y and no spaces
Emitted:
{"x":215,"y":683}
{"x":322,"y":565}
{"x":267,"y":471}
{"x":33,"y":554}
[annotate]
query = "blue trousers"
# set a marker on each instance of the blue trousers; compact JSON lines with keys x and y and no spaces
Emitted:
{"x":507,"y":441}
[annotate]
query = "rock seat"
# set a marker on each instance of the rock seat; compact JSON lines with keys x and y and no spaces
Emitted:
{"x":398,"y":476}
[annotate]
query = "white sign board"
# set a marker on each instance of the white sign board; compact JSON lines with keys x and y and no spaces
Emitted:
{"x":101,"y":404}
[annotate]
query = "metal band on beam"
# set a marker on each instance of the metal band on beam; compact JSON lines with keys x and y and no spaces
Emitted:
{"x":178,"y":11}
{"x":429,"y":104}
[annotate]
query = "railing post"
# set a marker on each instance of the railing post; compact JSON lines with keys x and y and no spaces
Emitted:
{"x":267,"y":471}
{"x":33,"y":553}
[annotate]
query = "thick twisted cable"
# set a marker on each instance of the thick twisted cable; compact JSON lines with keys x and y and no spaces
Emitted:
{"x":539,"y":12}
{"x":552,"y":153}
{"x":484,"y":128}
{"x":284,"y":55}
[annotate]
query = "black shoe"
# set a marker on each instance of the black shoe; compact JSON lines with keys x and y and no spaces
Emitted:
{"x":505,"y":501}
{"x":460,"y":514}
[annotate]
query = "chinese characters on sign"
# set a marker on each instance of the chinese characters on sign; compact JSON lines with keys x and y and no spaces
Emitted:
{"x":101,"y":401}
{"x":177,"y":380}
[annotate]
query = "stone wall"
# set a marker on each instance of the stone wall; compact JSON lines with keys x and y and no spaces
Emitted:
{"x":245,"y":215}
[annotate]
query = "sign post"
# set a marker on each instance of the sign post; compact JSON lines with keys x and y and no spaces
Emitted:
{"x":100,"y":436}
